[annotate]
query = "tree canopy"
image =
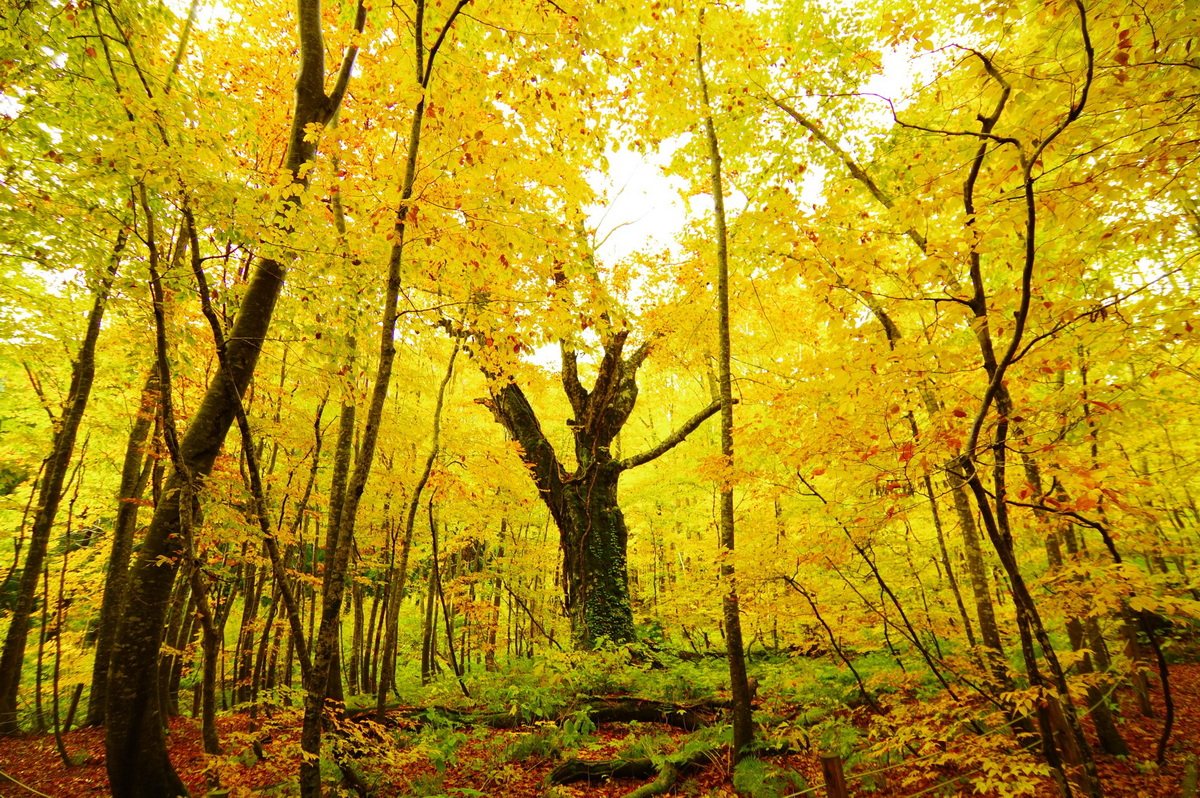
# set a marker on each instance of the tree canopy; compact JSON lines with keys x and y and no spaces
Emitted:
{"x":328,"y":329}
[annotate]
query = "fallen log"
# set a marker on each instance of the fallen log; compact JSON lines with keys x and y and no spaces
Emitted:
{"x":594,"y":772}
{"x":689,"y":717}
{"x":600,"y":709}
{"x":665,"y":776}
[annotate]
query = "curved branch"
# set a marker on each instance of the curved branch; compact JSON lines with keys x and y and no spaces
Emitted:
{"x":999,"y":368}
{"x":674,"y":439}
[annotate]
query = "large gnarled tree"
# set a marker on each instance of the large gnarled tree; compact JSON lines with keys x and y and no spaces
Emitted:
{"x":582,"y":498}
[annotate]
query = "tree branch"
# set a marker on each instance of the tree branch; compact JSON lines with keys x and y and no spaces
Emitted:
{"x":441,"y":37}
{"x":334,"y":101}
{"x":510,"y":407}
{"x":674,"y":439}
{"x":639,"y":355}
{"x":576,"y":393}
{"x":608,"y":378}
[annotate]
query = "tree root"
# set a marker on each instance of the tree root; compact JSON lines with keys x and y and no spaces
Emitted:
{"x":667,"y":776}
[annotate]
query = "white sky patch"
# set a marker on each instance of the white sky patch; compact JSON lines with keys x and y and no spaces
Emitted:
{"x":209,"y":13}
{"x":10,"y":106}
{"x":644,"y":209}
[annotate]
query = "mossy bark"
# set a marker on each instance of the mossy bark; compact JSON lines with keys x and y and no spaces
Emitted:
{"x":594,"y":541}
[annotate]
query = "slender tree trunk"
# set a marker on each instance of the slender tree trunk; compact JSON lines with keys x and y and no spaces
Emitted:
{"x":944,"y":553}
{"x":60,"y":624}
{"x":743,"y":724}
{"x":367,"y":671}
{"x":429,"y":633}
{"x":260,"y":675}
{"x":50,"y":493}
{"x":356,"y":641}
{"x":388,"y":678}
{"x":446,"y":614}
{"x":493,"y":629}
{"x":134,"y":476}
{"x":179,"y":635}
{"x":210,"y":647}
{"x":39,"y":672}
{"x":243,"y":663}
{"x":342,"y":456}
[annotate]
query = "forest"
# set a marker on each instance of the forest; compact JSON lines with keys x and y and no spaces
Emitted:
{"x":550,"y":398}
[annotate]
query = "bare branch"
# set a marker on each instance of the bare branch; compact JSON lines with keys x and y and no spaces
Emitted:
{"x":674,"y":439}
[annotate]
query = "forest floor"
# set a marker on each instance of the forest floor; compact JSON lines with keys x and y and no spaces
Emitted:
{"x":483,"y":762}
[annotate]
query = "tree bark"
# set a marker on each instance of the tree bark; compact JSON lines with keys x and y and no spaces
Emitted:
{"x":343,"y":454}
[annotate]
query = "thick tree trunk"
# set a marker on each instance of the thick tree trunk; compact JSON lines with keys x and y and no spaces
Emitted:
{"x":594,"y":540}
{"x":137,"y":755}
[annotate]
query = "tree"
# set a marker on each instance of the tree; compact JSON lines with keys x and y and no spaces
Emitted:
{"x":743,"y":728}
{"x":582,"y":499}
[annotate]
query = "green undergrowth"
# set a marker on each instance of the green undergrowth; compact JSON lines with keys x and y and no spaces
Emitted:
{"x":552,"y":740}
{"x":756,"y":778}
